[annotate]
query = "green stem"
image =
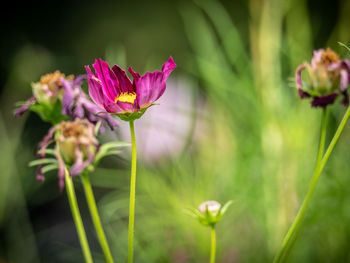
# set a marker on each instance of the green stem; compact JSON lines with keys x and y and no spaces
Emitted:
{"x":132,"y":193}
{"x":294,"y":229}
{"x":213,"y":245}
{"x":293,"y":232}
{"x":77,"y":217}
{"x":95,"y":217}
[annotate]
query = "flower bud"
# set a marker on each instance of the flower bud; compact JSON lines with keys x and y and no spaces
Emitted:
{"x":209,"y":212}
{"x":212,"y":207}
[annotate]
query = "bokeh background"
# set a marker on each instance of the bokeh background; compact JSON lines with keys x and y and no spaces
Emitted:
{"x":229,"y":127}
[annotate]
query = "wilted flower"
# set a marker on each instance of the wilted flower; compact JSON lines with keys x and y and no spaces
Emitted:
{"x":76,"y":104}
{"x":328,"y":76}
{"x":113,"y":90}
{"x":209,"y":212}
{"x":76,"y":147}
{"x":57,"y":97}
{"x":48,"y":89}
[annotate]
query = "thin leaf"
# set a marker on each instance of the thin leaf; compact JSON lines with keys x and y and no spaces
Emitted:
{"x":48,"y":151}
{"x":97,"y":127}
{"x":225,"y":207}
{"x":42,"y":161}
{"x":343,"y":45}
{"x":49,"y":167}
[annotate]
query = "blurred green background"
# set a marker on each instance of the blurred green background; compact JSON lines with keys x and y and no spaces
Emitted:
{"x":230,"y":126}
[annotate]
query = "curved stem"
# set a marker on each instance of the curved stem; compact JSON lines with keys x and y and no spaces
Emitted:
{"x":95,"y":217}
{"x":132,"y":193}
{"x":213,"y":245}
{"x":294,"y":229}
{"x":77,"y":217}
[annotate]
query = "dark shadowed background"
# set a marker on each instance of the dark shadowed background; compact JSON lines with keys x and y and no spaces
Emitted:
{"x":229,"y":127}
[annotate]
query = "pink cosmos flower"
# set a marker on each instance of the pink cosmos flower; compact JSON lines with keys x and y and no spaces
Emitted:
{"x":328,"y":77}
{"x":112,"y":90}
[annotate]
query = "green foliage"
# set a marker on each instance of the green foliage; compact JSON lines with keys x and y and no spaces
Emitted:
{"x":51,"y":113}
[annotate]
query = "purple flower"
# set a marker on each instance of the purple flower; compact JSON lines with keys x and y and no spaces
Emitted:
{"x":24,"y":107}
{"x":328,"y":76}
{"x":76,"y":146}
{"x":112,"y":90}
{"x":55,"y":88}
{"x":76,"y":104}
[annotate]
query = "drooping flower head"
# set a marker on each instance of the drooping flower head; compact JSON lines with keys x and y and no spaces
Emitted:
{"x":328,"y":77}
{"x":75,"y":146}
{"x":114,"y":91}
{"x":57,"y":97}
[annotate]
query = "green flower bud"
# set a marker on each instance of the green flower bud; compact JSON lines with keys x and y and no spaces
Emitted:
{"x":209,"y":212}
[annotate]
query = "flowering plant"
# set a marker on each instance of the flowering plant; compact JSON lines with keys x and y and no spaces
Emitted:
{"x":329,"y":77}
{"x":57,"y":97}
{"x":112,"y":90}
{"x":76,"y":147}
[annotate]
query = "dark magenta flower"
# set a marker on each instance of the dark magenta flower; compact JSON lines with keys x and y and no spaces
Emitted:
{"x":328,"y":77}
{"x":113,"y":90}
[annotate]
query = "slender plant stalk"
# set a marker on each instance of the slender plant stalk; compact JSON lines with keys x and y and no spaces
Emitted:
{"x":95,"y":217}
{"x":132,"y":193}
{"x":213,"y":245}
{"x":77,"y":217}
{"x":295,"y":227}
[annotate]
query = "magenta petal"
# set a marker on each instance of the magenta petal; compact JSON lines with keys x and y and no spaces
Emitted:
{"x":149,"y":88}
{"x":120,"y":107}
{"x":168,"y":67}
{"x":109,"y":81}
{"x":134,"y":74}
{"x":124,"y":81}
{"x":113,"y":108}
{"x":152,"y":85}
{"x":95,"y":88}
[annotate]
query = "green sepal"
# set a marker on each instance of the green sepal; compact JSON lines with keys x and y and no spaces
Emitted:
{"x":51,"y":113}
{"x":42,"y":161}
{"x":131,"y":116}
{"x":108,"y":148}
{"x":208,"y":218}
{"x":49,"y":167}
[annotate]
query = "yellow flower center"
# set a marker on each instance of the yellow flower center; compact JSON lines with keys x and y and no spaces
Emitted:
{"x":126,"y":97}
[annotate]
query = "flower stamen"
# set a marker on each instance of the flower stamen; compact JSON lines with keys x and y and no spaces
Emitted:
{"x":126,"y":97}
{"x":329,"y":56}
